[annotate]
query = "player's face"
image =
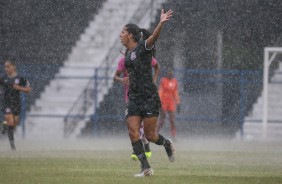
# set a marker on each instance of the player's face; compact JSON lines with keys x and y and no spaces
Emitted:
{"x":9,"y":68}
{"x":170,"y":74}
{"x":124,"y":37}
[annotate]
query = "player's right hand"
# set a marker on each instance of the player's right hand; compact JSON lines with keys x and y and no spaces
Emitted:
{"x":125,"y":80}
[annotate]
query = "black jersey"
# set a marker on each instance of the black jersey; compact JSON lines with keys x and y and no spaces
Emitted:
{"x":12,"y":96}
{"x":139,"y":68}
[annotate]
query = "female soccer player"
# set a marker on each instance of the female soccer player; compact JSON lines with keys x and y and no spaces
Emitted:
{"x":121,"y":70}
{"x":12,"y":86}
{"x":168,"y":91}
{"x":144,"y":101}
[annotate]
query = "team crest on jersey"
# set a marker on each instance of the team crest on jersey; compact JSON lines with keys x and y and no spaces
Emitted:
{"x":133,"y":55}
{"x":8,"y":110}
{"x":17,"y":81}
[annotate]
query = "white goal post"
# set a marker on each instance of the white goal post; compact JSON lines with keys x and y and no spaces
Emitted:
{"x":269,"y":55}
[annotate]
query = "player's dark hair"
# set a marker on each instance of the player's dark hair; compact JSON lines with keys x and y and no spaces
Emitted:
{"x":139,"y":33}
{"x":10,"y":60}
{"x":145,"y":35}
{"x":134,"y":30}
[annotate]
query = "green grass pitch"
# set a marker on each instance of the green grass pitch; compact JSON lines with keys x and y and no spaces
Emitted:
{"x":108,"y":161}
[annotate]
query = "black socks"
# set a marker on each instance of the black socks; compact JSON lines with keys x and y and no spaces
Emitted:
{"x":147,"y":147}
{"x":139,"y":151}
{"x":162,"y":141}
{"x":10,"y":131}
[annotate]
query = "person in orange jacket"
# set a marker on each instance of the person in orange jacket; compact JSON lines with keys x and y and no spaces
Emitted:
{"x":170,"y":100}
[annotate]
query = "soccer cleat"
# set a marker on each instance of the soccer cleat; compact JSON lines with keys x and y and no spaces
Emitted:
{"x":134,"y":157}
{"x":170,"y":150}
{"x":145,"y":172}
{"x":148,"y":154}
{"x":147,"y":149}
{"x":13,"y":147}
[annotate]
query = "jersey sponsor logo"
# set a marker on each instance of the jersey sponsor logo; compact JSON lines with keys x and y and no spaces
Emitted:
{"x":149,"y":113}
{"x":126,"y":112}
{"x":133,"y":56}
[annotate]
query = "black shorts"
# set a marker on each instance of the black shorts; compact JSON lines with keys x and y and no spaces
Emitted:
{"x":11,"y":109}
{"x":144,"y":107}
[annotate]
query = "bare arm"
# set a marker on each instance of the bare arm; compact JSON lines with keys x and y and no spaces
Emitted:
{"x":156,"y":73}
{"x":117,"y":78}
{"x":176,"y":94}
{"x":153,"y":38}
{"x":161,"y":90}
{"x":26,"y":89}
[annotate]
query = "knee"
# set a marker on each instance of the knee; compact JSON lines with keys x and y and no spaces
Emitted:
{"x":133,"y":134}
{"x":151,"y":136}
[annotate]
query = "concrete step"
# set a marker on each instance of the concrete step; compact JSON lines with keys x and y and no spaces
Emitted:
{"x":274,"y":109}
{"x":270,"y":116}
{"x":52,"y":108}
{"x":270,"y":103}
{"x":280,"y":66}
{"x":274,"y":86}
{"x":45,"y":128}
{"x":88,"y":52}
{"x":66,"y":93}
{"x":76,"y":72}
{"x":59,"y":84}
{"x":254,"y":130}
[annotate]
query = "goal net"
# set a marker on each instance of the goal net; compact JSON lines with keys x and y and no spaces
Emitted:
{"x":270,"y":55}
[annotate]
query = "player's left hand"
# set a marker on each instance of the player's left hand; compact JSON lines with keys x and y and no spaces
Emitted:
{"x":165,"y":16}
{"x":125,"y":80}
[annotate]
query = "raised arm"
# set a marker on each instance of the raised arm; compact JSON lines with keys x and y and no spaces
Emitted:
{"x":153,"y":38}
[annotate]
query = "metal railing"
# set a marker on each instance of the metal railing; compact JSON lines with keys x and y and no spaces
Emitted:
{"x":78,"y":111}
{"x":201,"y":83}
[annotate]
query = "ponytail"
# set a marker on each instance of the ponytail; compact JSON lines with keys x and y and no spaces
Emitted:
{"x":139,"y":33}
{"x":145,"y":35}
{"x":134,"y":30}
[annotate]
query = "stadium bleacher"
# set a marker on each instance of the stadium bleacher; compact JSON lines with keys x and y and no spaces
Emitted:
{"x":40,"y":35}
{"x":199,"y":22}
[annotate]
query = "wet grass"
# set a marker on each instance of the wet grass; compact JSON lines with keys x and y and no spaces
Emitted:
{"x":105,"y":167}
